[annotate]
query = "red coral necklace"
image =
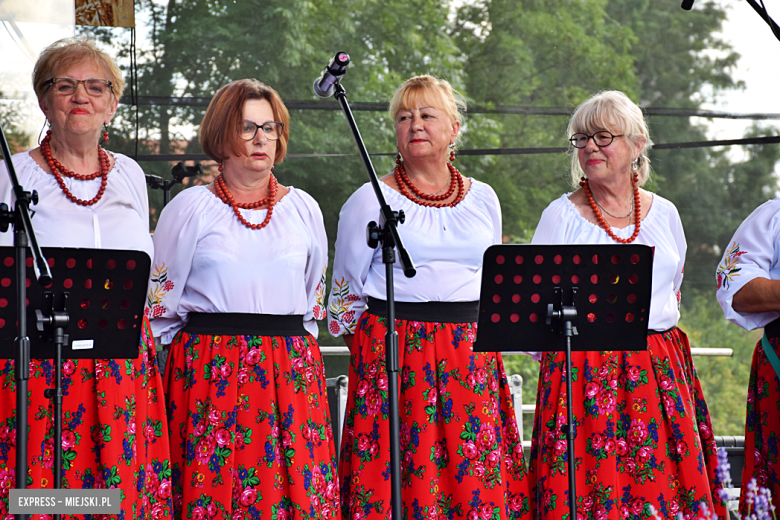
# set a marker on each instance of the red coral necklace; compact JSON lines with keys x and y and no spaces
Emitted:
{"x":224,"y":194}
{"x":430,"y":200}
{"x":59,"y":171}
{"x":603,"y":223}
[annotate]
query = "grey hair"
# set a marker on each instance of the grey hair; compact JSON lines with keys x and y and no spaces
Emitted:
{"x":613,"y":111}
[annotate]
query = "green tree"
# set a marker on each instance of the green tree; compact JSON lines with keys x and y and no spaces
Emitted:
{"x":540,"y":54}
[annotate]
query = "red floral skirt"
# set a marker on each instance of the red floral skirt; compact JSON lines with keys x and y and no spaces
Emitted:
{"x":762,"y":428}
{"x":250,"y":428}
{"x":114,"y":433}
{"x":461,"y":455}
{"x":644,"y":436}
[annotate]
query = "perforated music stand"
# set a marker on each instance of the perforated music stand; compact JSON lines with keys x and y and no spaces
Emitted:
{"x":537,"y":298}
{"x":106,"y":293}
{"x":96,"y":296}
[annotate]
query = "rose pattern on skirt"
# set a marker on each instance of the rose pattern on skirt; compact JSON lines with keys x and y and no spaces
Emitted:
{"x":250,"y":428}
{"x":461,"y":455}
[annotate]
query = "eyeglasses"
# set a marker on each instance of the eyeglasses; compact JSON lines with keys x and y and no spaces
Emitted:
{"x":601,"y":139}
{"x":272,"y":130}
{"x":67,"y":86}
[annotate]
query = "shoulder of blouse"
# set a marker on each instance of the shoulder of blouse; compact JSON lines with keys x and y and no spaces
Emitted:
{"x":193,"y":202}
{"x":362,"y":199}
{"x":124,"y":163}
{"x":664,"y":209}
{"x":300,"y":197}
{"x":482,"y":192}
{"x":306,"y":205}
{"x":563,"y":205}
{"x":24,"y":164}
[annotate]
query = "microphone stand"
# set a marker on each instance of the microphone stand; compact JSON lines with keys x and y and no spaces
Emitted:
{"x":179,"y":172}
{"x":24,"y":236}
{"x":386,"y":233}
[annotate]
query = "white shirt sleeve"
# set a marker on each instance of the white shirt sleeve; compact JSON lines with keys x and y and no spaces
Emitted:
{"x":316,"y":266}
{"x":137,"y":187}
{"x":675,"y":226}
{"x":751,"y":253}
{"x":493,"y":209}
{"x":351,"y":263}
{"x":552,"y":225}
{"x":175,"y":241}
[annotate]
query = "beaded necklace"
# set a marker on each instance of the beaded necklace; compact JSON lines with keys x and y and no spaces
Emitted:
{"x":427,"y":199}
{"x":225,"y":196}
{"x":603,"y":223}
{"x":58,"y":170}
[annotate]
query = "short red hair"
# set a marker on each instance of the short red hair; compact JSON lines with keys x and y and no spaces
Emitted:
{"x":219,"y":131}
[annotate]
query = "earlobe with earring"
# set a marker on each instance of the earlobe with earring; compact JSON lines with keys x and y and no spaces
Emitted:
{"x":45,"y":124}
{"x":635,"y":168}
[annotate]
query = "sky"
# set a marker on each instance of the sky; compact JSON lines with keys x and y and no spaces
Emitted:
{"x":758,"y":67}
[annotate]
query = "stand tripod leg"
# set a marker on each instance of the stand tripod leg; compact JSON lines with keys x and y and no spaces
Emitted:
{"x":391,"y":362}
{"x":570,"y":431}
{"x":59,"y":339}
{"x":22,"y":365}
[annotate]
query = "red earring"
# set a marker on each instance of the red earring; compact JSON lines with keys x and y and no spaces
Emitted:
{"x":105,"y":133}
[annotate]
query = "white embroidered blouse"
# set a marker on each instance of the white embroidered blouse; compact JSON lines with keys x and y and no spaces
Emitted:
{"x":119,"y":220}
{"x":752,"y":253}
{"x":446,"y":245}
{"x":561,"y":223}
{"x":207,"y":261}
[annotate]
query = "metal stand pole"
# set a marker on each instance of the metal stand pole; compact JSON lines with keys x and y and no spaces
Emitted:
{"x":387,"y":233}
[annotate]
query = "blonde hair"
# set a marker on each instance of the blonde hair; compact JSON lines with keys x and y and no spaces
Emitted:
{"x":428,"y":90}
{"x":613,"y":111}
{"x":63,"y":54}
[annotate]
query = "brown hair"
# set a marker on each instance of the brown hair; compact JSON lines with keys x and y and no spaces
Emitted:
{"x":219,"y":130}
{"x":63,"y":54}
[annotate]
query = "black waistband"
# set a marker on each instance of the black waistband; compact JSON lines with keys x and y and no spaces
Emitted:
{"x":243,"y":324}
{"x":438,"y":312}
{"x":650,"y":332}
{"x":772,"y":329}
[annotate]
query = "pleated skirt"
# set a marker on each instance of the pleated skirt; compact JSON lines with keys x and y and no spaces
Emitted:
{"x":114,"y":432}
{"x":762,"y":428}
{"x":250,"y":428}
{"x":461,"y":455}
{"x":643,"y":435}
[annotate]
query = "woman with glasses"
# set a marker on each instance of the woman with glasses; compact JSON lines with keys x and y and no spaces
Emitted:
{"x":643,"y":432}
{"x":237,"y":283}
{"x":114,"y":433}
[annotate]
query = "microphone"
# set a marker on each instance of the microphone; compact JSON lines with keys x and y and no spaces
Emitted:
{"x":323,"y":86}
{"x":180,"y":171}
{"x":687,"y":4}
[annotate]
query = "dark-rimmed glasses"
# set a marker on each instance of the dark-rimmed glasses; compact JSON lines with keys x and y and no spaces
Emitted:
{"x":272,"y":130}
{"x":601,"y":139}
{"x":93,"y":86}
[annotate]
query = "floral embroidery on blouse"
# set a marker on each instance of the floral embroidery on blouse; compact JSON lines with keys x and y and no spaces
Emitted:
{"x":319,"y":304}
{"x":728,"y":270}
{"x":340,"y":309}
{"x":160,"y":286}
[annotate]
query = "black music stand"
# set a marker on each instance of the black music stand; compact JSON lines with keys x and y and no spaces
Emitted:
{"x":534,"y":294}
{"x":98,"y":295}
